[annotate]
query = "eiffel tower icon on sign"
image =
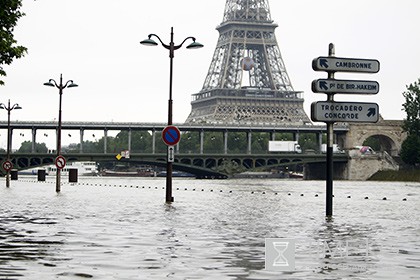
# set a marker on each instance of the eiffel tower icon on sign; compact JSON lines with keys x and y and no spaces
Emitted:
{"x":247,"y":82}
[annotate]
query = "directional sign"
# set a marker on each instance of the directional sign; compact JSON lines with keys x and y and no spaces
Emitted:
{"x":7,"y":165}
{"x":337,"y":64}
{"x":345,"y":86}
{"x":325,"y":111}
{"x":171,"y":135}
{"x":171,"y":154}
{"x":60,"y":162}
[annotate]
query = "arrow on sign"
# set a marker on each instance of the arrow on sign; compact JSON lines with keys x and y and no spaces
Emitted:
{"x":171,"y":154}
{"x":323,"y":62}
{"x":371,"y":112}
{"x":323,"y":85}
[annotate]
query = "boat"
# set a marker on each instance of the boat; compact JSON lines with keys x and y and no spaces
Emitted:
{"x":175,"y":173}
{"x":84,"y":168}
{"x":129,"y":172}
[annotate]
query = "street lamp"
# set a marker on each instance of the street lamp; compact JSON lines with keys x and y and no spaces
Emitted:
{"x":9,"y":109}
{"x":60,"y":86}
{"x":171,"y":47}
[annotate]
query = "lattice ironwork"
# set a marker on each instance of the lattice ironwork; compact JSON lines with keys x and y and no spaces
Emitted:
{"x":247,"y":73}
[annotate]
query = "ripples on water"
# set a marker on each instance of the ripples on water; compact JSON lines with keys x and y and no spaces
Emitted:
{"x":104,"y":228}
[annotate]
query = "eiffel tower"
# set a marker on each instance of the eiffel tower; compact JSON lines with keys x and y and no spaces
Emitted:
{"x":247,"y":82}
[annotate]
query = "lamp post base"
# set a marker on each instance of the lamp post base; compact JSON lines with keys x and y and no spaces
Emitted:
{"x":58,"y":181}
{"x":8,"y":180}
{"x":169,"y":197}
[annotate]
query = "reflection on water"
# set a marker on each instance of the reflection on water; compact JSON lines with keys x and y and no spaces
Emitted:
{"x":110,"y":228}
{"x":23,"y":238}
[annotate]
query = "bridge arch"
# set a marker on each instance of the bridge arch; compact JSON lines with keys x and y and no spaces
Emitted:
{"x":389,"y":133}
{"x":386,"y":143}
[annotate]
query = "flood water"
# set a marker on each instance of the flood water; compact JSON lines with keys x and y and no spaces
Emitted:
{"x":121,"y":228}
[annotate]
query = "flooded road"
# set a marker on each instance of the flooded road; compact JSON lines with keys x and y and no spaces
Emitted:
{"x":121,"y":228}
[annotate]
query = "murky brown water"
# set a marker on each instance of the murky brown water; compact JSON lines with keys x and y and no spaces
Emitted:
{"x":120,"y":228}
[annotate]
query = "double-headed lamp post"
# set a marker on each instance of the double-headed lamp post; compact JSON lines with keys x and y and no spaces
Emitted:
{"x":60,"y":86}
{"x":8,"y":108}
{"x":171,"y":47}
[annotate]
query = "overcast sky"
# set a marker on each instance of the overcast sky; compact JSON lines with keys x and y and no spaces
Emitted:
{"x":96,"y":43}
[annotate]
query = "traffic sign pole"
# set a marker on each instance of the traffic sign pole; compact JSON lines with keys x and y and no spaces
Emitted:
{"x":60,"y":162}
{"x":330,"y":144}
{"x":330,"y":111}
{"x":171,"y":136}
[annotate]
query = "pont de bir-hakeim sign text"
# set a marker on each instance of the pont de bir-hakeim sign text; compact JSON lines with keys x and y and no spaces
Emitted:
{"x":345,"y":86}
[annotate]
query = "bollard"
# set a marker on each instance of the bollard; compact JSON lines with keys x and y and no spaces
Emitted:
{"x":41,"y":174}
{"x":13,"y":174}
{"x":72,"y":175}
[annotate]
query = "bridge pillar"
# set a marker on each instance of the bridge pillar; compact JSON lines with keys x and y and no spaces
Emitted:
{"x":153,"y":141}
{"x":129,"y":140}
{"x":105,"y":140}
{"x":320,"y":141}
{"x":317,"y":171}
{"x":272,"y":136}
{"x":201,"y":141}
{"x":33,"y":140}
{"x":81,"y":139}
{"x":249,"y":137}
{"x":225,"y":140}
{"x":296,"y":136}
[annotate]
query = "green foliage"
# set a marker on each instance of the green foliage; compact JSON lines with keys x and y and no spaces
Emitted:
{"x":308,"y":141}
{"x":410,"y":150}
{"x":237,"y":143}
{"x":9,"y":15}
{"x":373,"y":142}
{"x":397,"y":175}
{"x":259,"y":143}
{"x":412,"y":108}
{"x":190,"y":142}
{"x":26,"y":147}
{"x":213,"y":142}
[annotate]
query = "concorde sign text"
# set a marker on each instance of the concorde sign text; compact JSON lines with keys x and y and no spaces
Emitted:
{"x":337,"y":64}
{"x":345,"y":86}
{"x":330,"y":111}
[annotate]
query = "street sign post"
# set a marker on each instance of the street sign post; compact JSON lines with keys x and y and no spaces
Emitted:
{"x":340,"y":64}
{"x":171,"y":153}
{"x":345,"y":86}
{"x":325,"y":111}
{"x":330,"y":111}
{"x":7,"y":165}
{"x":171,"y":135}
{"x":60,"y":162}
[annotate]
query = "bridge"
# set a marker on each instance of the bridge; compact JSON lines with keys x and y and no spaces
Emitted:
{"x":213,"y":163}
{"x":195,"y":157}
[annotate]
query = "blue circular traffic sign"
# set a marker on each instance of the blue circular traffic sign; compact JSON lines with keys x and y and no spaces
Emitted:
{"x":171,"y":135}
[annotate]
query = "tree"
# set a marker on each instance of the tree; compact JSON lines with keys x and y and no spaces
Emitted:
{"x":26,"y":147}
{"x":410,"y":149}
{"x":412,"y":108}
{"x":9,"y":15}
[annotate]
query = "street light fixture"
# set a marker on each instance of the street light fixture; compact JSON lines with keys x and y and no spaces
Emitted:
{"x":9,"y":109}
{"x":60,"y":86}
{"x":171,"y":47}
